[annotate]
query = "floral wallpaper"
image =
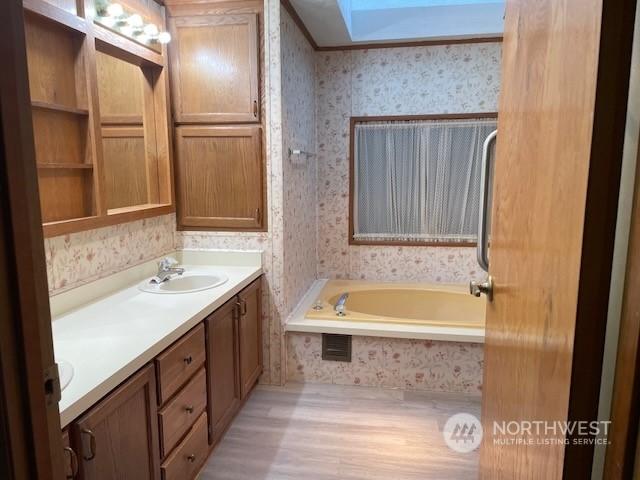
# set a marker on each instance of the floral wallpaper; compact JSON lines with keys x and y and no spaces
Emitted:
{"x":299,"y":172}
{"x":392,"y":81}
{"x":82,"y":257}
{"x":389,"y":363}
{"x":311,"y":96}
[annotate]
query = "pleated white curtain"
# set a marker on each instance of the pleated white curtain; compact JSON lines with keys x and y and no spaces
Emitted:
{"x":418,"y":180}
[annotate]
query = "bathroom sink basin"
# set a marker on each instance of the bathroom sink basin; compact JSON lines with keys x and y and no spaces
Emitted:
{"x":186,"y":283}
{"x":65,"y":369}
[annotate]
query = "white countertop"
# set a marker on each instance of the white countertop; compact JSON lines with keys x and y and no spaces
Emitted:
{"x":298,"y":322}
{"x":108,"y":339}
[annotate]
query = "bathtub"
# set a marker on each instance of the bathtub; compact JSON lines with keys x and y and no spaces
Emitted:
{"x":435,"y":305}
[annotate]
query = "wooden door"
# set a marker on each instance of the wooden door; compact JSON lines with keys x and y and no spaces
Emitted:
{"x":118,"y":438}
{"x":250,"y":336}
{"x":222,"y":368}
{"x":29,"y":388}
{"x":220,"y":178}
{"x":560,"y":127}
{"x":215,"y":68}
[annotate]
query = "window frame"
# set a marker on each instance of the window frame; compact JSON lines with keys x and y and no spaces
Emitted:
{"x":399,"y":118}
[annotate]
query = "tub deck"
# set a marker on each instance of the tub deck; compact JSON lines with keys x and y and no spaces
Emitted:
{"x":420,"y":311}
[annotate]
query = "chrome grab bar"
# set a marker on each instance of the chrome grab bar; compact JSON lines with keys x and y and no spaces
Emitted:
{"x":485,"y":178}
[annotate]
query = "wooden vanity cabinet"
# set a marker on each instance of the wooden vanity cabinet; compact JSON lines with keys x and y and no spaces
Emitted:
{"x":118,"y":438}
{"x":250,"y":336}
{"x":162,"y":423}
{"x":234,"y":356}
{"x":222,"y":366}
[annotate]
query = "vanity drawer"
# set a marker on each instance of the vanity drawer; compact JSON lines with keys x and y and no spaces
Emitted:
{"x":177,"y":417}
{"x":179,"y":362}
{"x":186,"y":460}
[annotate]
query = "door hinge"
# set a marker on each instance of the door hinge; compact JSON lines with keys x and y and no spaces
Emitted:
{"x":52,"y":391}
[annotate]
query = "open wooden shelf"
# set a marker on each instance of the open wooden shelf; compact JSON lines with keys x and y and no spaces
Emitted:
{"x":100,"y":114}
{"x":115,"y":216}
{"x":56,"y":107}
{"x":81,"y":166}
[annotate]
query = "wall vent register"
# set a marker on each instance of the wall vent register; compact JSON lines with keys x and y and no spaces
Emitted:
{"x":336,"y":347}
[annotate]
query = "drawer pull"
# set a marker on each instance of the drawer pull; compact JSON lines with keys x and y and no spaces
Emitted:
{"x":92,"y":444}
{"x":73,"y":463}
{"x":189,"y":409}
{"x":191,"y":458}
{"x":242,"y":307}
{"x":188,"y":360}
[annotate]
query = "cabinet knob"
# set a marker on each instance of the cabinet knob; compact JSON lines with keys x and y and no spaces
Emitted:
{"x":191,"y":458}
{"x":189,"y":409}
{"x":188,"y":360}
{"x":255,"y":108}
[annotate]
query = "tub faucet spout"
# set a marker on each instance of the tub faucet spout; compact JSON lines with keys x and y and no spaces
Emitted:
{"x":339,"y":307}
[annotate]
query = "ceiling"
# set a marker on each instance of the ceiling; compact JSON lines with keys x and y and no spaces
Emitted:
{"x":350,"y":22}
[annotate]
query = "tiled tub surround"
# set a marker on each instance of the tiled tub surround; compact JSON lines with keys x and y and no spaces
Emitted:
{"x":389,"y":363}
{"x":392,"y":81}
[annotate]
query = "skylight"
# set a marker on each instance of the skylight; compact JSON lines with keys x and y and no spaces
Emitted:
{"x":387,"y":4}
{"x":388,"y":20}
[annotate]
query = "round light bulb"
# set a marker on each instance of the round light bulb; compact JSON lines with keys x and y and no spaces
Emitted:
{"x":115,"y":10}
{"x":143,"y":38}
{"x":108,"y":21}
{"x":150,"y":30}
{"x":126,"y":30}
{"x":135,"y":20}
{"x":164,"y":37}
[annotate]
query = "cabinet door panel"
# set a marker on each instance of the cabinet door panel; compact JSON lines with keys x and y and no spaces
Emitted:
{"x":118,"y":438}
{"x":215,"y":68}
{"x":222,"y":368}
{"x":220,"y":177}
{"x":250,"y":336}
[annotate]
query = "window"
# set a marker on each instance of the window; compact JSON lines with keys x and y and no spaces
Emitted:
{"x":416,"y":180}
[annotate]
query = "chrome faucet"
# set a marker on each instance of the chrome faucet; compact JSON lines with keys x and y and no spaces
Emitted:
{"x":166,"y":268}
{"x":339,"y":307}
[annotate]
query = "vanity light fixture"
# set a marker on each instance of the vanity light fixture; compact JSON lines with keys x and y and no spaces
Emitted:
{"x":115,"y":10}
{"x":114,"y":16}
{"x":164,"y":37}
{"x":151,"y":30}
{"x":135,"y":21}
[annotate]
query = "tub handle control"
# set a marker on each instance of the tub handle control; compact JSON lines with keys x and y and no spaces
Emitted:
{"x":479,"y":288}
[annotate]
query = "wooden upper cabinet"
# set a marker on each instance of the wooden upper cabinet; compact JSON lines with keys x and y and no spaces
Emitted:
{"x":214,"y":60}
{"x":220,"y":177}
{"x":118,"y":438}
{"x":101,"y":118}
